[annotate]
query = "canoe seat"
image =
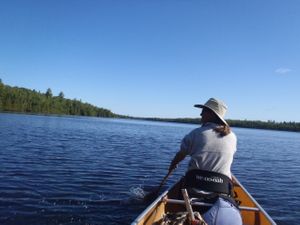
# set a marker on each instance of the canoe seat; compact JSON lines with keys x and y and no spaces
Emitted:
{"x":208,"y":181}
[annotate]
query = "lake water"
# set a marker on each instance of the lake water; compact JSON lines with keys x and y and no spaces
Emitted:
{"x":79,"y":170}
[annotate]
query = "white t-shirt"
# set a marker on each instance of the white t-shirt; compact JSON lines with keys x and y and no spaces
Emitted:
{"x":208,"y":150}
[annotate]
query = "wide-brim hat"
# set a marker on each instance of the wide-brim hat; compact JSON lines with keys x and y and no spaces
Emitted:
{"x":217,"y":106}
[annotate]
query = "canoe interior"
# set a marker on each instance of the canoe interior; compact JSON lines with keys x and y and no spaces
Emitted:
{"x":253,"y":216}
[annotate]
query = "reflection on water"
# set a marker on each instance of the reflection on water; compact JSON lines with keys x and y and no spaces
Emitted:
{"x":76,"y":170}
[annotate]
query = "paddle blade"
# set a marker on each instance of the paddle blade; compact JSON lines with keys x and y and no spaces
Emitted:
{"x":154,"y":194}
{"x":151,"y":196}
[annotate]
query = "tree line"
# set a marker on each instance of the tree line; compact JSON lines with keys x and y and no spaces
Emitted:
{"x":269,"y":125}
{"x":22,"y":100}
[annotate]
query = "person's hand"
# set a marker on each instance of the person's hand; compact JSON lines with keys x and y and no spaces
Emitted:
{"x":177,"y":159}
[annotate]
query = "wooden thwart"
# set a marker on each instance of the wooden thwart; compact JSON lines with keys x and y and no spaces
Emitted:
{"x":192,"y":202}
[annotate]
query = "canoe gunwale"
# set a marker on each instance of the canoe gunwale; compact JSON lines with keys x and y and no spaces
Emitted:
{"x":150,"y":207}
{"x":254,"y":201}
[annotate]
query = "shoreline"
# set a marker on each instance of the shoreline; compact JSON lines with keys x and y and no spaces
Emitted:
{"x":250,"y":124}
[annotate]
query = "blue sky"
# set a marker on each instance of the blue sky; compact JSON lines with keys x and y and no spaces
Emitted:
{"x":157,"y":58}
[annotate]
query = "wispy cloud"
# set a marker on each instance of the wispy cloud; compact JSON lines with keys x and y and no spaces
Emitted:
{"x":283,"y":70}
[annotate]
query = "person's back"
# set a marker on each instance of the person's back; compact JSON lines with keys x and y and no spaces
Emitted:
{"x":208,"y":150}
{"x":211,"y":148}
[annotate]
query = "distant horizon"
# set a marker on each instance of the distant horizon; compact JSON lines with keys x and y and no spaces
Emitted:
{"x":139,"y":117}
{"x":158,"y":58}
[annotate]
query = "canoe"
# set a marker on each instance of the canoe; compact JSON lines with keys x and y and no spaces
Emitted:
{"x":252,"y":213}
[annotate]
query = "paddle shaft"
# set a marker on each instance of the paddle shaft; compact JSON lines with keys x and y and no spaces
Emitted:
{"x":164,"y":180}
{"x":152,"y":195}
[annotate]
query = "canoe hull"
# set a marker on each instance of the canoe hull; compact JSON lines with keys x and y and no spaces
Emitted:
{"x":252,"y":213}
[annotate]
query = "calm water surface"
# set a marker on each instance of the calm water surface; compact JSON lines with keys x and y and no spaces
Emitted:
{"x":77,"y":170}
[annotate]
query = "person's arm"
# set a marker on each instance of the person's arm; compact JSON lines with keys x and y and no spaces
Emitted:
{"x":183,"y":152}
{"x":177,"y":159}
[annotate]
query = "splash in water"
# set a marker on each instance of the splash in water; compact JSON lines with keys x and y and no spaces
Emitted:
{"x":137,"y":192}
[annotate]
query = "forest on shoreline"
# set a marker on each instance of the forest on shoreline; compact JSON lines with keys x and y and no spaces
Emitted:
{"x":255,"y":124}
{"x":23,"y":100}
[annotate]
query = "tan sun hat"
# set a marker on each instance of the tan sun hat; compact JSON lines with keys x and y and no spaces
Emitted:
{"x":217,"y":106}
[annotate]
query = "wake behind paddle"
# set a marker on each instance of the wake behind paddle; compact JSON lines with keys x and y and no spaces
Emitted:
{"x":151,"y":196}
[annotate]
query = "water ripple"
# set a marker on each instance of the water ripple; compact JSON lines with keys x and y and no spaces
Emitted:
{"x":76,"y":170}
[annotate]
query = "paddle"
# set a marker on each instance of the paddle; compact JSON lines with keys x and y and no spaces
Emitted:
{"x":154,"y":194}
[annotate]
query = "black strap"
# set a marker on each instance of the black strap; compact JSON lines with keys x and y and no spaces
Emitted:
{"x":208,"y":181}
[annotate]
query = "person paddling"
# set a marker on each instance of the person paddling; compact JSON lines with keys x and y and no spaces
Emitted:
{"x":211,"y":148}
